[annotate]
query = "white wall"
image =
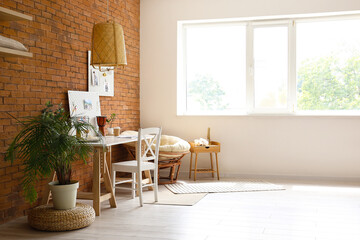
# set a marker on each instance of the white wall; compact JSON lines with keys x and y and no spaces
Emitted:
{"x":267,"y":145}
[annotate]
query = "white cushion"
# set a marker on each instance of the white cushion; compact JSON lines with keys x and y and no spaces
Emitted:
{"x":172,"y":144}
{"x":11,"y":43}
{"x":167,"y":144}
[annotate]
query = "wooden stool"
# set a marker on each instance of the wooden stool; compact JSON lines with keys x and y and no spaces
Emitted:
{"x":46,"y":218}
{"x":214,"y":147}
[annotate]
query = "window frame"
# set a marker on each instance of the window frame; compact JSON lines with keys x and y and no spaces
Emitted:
{"x":250,"y":24}
{"x":251,"y":80}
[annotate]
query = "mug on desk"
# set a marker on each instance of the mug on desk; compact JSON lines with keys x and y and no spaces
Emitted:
{"x":116,"y":131}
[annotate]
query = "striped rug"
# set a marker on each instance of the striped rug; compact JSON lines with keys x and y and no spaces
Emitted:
{"x":223,"y":186}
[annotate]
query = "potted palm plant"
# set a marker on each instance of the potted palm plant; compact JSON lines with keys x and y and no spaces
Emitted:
{"x":48,"y":143}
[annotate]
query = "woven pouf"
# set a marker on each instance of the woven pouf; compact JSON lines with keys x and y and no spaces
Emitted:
{"x":46,"y":218}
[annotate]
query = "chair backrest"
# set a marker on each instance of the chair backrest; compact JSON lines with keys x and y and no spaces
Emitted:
{"x":146,"y":138}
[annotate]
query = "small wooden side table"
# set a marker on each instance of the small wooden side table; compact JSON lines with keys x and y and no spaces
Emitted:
{"x":214,"y":147}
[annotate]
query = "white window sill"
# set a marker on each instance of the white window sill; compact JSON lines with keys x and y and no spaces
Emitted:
{"x":297,"y":114}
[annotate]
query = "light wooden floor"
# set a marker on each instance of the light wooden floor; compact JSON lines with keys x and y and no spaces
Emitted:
{"x":303,"y":211}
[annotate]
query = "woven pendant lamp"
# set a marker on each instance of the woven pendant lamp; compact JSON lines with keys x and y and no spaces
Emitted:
{"x":108,"y":45}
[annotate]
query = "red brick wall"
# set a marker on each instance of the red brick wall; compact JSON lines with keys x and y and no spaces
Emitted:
{"x":59,"y":37}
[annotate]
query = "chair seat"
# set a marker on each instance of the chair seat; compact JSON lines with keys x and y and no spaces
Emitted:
{"x":132,"y":166}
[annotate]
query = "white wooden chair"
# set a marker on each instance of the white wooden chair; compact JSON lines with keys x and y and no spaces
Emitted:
{"x":144,"y":154}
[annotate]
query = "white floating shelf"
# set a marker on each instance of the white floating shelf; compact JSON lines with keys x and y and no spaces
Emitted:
{"x":8,"y":52}
{"x":10,"y":15}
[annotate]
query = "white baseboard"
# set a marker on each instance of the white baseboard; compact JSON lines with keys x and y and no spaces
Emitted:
{"x":296,"y":178}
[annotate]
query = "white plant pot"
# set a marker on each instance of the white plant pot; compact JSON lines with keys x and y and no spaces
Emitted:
{"x":110,"y":131}
{"x":64,"y":196}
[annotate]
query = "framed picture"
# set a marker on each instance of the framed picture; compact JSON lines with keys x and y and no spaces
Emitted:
{"x":85,"y":106}
{"x":102,"y":81}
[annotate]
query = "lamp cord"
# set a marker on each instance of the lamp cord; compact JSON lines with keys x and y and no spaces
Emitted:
{"x":107,"y":10}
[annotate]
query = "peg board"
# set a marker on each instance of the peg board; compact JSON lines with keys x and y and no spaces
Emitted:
{"x":102,"y":81}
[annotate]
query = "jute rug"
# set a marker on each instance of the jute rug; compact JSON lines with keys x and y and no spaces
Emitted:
{"x":248,"y":185}
{"x":168,"y":198}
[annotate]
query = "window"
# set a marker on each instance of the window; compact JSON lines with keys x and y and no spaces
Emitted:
{"x":291,"y":66}
{"x":328,"y":65}
{"x":215,"y":68}
{"x":270,"y":67}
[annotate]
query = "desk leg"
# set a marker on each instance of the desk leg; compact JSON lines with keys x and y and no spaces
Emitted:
{"x":96,"y":180}
{"x":47,"y":194}
{"x":108,"y":158}
{"x":108,"y":186}
{"x":107,"y":178}
{"x":148,"y":175}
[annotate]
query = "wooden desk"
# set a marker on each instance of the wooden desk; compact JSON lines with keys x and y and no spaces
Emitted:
{"x":102,"y":173}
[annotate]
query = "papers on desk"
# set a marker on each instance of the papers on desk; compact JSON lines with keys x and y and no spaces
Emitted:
{"x":127,"y":136}
{"x":92,"y":139}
